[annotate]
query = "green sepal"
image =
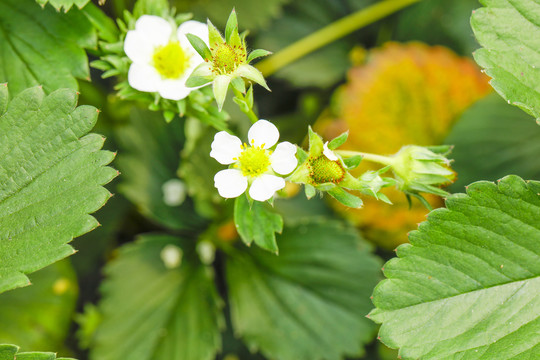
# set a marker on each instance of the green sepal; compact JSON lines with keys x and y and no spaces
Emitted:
{"x":235,"y":39}
{"x":338,"y":141}
{"x":241,"y":104}
{"x":168,"y":116}
{"x":202,"y":75}
{"x":316,"y":146}
{"x":232,"y":25}
{"x":301,"y":154}
{"x":220,"y":86}
{"x":250,"y":73}
{"x":249,"y":97}
{"x":257,"y":223}
{"x":200,"y":46}
{"x":326,"y":186}
{"x":214,"y":37}
{"x":181,"y":106}
{"x":352,"y":162}
{"x":239,"y":84}
{"x":302,"y":173}
{"x":310,"y":191}
{"x":346,"y":198}
{"x":257,"y":54}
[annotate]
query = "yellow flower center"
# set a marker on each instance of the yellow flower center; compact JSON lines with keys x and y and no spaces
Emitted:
{"x":170,"y":60}
{"x":324,"y":170}
{"x":226,"y":58}
{"x":254,"y":161}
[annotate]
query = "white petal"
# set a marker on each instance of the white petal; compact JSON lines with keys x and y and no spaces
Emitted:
{"x":225,"y":148}
{"x":138,"y":47}
{"x":230,"y":183}
{"x":264,"y":187}
{"x":143,"y":77}
{"x":174,"y":89}
{"x":283,"y":159}
{"x":329,"y":153}
{"x":155,"y":28}
{"x":196,"y":28}
{"x":263,"y":132}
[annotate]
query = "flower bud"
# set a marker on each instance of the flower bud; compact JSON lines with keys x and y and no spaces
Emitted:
{"x":423,"y":169}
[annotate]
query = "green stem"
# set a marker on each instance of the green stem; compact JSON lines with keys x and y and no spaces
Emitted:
{"x":250,"y":113}
{"x":330,"y":33}
{"x":380,"y":159}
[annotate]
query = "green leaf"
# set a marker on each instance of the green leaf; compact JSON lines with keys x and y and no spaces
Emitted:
{"x":509,"y":31}
{"x":11,"y":352}
{"x":200,"y":46}
{"x":468,"y":285}
{"x":308,"y":303}
{"x":51,"y":180}
{"x":156,"y":309}
{"x":502,"y":140}
{"x":48,"y":305}
{"x":30,"y":55}
{"x":150,"y":156}
{"x":257,"y":222}
{"x":66,"y":4}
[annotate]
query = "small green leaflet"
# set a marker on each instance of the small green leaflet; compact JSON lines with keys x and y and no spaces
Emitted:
{"x":468,"y":284}
{"x":509,"y":31}
{"x":51,"y":177}
{"x":159,"y":303}
{"x":310,"y":302}
{"x":11,"y":352}
{"x":66,"y":4}
{"x":30,"y":55}
{"x":257,"y":222}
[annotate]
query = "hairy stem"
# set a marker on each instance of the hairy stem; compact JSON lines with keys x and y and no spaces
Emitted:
{"x":330,"y":33}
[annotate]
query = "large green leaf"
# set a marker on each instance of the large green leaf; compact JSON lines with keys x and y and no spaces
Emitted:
{"x":159,"y":303}
{"x":468,"y":285}
{"x":11,"y":352}
{"x":66,"y":4}
{"x":310,"y":301}
{"x":43,"y":47}
{"x":149,"y":158}
{"x":509,"y":31}
{"x":51,"y":178}
{"x":493,"y":139}
{"x":38,"y":317}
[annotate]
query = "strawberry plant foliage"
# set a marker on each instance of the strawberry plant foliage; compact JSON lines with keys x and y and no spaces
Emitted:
{"x":51,"y":178}
{"x":468,"y":285}
{"x":509,"y":31}
{"x":11,"y":352}
{"x":165,"y":307}
{"x":308,"y":303}
{"x":31,"y":56}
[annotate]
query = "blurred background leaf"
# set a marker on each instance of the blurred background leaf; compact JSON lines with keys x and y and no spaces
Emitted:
{"x":38,"y":317}
{"x":493,"y":139}
{"x":65,"y":4}
{"x":149,"y":157}
{"x":310,"y":301}
{"x":159,"y":303}
{"x":31,"y":56}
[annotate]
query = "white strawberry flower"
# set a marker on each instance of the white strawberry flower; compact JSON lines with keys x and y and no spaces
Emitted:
{"x":162,"y":56}
{"x":254,"y":165}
